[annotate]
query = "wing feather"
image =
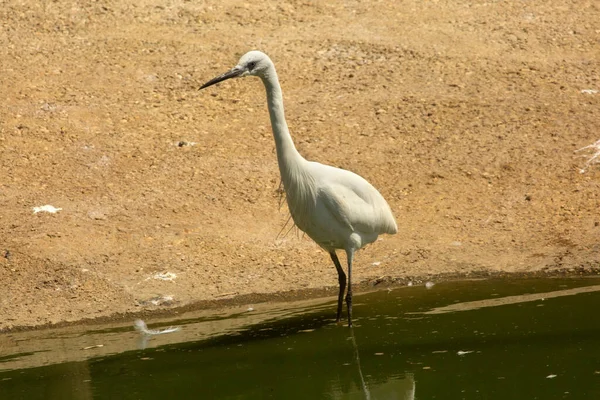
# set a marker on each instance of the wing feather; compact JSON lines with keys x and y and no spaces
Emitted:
{"x":355,"y":203}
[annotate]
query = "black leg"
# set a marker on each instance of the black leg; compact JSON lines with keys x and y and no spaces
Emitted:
{"x":342,"y":281}
{"x":350,"y":255}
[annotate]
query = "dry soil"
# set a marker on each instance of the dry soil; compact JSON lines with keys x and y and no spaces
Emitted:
{"x":464,"y":114}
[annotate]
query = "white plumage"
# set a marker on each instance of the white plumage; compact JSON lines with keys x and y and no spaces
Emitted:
{"x":336,"y":208}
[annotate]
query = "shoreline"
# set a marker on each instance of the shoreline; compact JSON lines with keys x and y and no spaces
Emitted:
{"x":383,"y":283}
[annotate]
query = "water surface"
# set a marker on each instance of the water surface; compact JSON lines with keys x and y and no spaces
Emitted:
{"x":527,"y":339}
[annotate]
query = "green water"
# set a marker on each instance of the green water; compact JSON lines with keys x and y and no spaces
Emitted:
{"x":460,"y":340}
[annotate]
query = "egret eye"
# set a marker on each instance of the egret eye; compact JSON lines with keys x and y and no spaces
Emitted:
{"x":251,"y":65}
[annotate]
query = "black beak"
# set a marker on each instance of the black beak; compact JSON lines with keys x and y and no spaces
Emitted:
{"x":234,"y":73}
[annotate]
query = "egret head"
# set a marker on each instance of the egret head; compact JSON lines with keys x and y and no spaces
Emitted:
{"x":253,"y":63}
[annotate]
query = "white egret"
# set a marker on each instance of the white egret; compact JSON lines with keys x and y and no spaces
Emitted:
{"x":334,"y":207}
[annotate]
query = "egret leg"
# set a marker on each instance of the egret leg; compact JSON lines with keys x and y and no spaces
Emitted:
{"x":342,"y":281}
{"x":350,"y":254}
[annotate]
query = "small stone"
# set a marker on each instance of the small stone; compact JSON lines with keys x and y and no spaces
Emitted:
{"x":96,"y":215}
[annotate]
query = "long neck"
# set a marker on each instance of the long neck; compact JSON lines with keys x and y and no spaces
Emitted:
{"x":297,"y":182}
{"x":287,"y":156}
